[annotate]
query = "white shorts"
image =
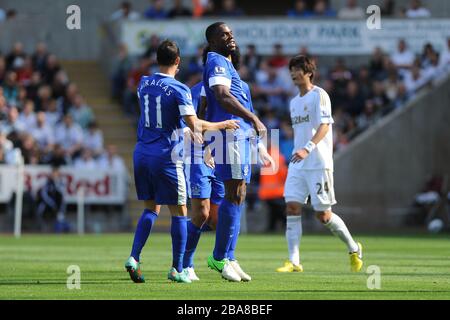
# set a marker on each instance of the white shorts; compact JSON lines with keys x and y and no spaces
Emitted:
{"x":315,"y":183}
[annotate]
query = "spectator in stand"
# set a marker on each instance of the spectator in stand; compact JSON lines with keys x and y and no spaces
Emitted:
{"x":403,"y":58}
{"x":179,"y":10}
{"x":156,"y":10}
{"x":60,"y":83}
{"x":24,"y":70}
{"x":21,"y":98}
{"x":229,"y":9}
{"x":16,"y":53}
{"x":11,"y":88}
{"x":51,"y":69}
{"x":12,"y":124}
{"x":122,"y":66}
{"x":209,"y":9}
{"x":27,"y":117}
{"x":273,"y":91}
{"x":278,"y":59}
{"x":388,"y":8}
{"x":33,"y":87}
{"x":44,"y":98}
{"x":351,"y":11}
{"x":378,"y":97}
{"x":368,"y":117}
{"x":111,"y":161}
{"x":444,"y":60}
{"x":52,"y":114}
{"x":70,"y":136}
{"x":86,"y":161}
{"x":43,"y":134}
{"x":401,"y":98}
{"x":425,"y":58}
{"x":354,"y":101}
{"x":392,"y":84}
{"x":3,"y":108}
{"x":125,"y":12}
{"x":2,"y":69}
{"x":67,"y":100}
{"x":340,"y":75}
{"x":39,"y":57}
{"x":252,"y":60}
{"x":417,"y":10}
{"x":50,"y":203}
{"x":93,"y":139}
{"x":6,"y":148}
{"x":322,"y":10}
{"x":300,"y":10}
{"x":29,"y":148}
{"x":150,"y":53}
{"x":133,"y":79}
{"x":414,"y":80}
{"x":196,"y":62}
{"x":81,"y":112}
{"x":57,"y":157}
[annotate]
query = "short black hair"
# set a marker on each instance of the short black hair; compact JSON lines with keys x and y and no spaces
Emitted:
{"x":212,"y":30}
{"x":304,"y":63}
{"x":167,"y":53}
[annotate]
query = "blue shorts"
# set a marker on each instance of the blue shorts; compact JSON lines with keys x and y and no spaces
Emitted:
{"x":159,"y":179}
{"x":203,"y":184}
{"x":235,"y":161}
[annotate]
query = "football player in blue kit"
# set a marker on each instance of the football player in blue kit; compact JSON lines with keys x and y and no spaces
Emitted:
{"x":205,"y":190}
{"x":158,"y":160}
{"x":227,"y":100}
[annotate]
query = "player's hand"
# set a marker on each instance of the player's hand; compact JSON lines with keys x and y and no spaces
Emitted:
{"x":209,"y":159}
{"x":260,"y":128}
{"x":231,"y":124}
{"x":196,"y":137}
{"x":299,"y":155}
{"x":266,"y":159}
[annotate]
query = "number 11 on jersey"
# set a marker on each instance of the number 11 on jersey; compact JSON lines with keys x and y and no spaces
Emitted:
{"x":158,"y":111}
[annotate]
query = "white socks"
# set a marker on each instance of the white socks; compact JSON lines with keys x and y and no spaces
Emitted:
{"x":339,"y":229}
{"x":293,"y":235}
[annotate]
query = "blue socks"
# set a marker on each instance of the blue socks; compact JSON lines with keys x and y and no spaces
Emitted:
{"x":178,"y":232}
{"x":193,"y":237}
{"x":143,"y":229}
{"x":237,"y":229}
{"x":205,"y":228}
{"x":229,"y":213}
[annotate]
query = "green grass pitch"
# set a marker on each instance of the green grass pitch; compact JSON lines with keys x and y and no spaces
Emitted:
{"x":412,"y":267}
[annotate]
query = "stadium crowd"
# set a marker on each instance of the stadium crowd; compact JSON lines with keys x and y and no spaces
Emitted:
{"x":160,"y":10}
{"x":43,"y":114}
{"x":360,"y":95}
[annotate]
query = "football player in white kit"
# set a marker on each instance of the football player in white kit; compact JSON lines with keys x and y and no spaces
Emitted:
{"x":310,"y":170}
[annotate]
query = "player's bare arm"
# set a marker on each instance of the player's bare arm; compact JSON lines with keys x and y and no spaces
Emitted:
{"x":233,"y":106}
{"x":301,"y":154}
{"x":198,"y":125}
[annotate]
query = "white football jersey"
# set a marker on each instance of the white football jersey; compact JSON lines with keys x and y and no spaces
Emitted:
{"x":308,"y":112}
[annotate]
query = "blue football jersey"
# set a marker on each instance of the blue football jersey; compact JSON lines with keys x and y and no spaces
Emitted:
{"x":163,"y":102}
{"x":220,"y":71}
{"x":197,"y":151}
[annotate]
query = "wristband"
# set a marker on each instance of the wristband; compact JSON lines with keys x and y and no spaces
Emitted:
{"x":310,"y":146}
